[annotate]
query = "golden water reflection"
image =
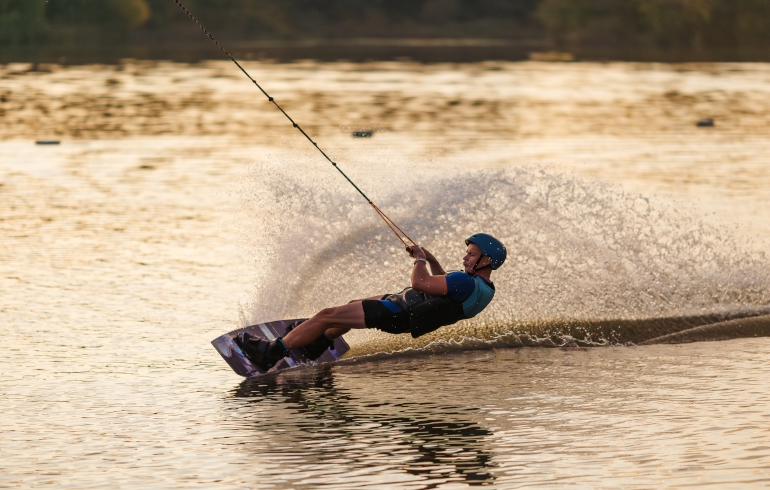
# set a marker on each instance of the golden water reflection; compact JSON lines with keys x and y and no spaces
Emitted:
{"x":424,"y":440}
{"x":123,"y":253}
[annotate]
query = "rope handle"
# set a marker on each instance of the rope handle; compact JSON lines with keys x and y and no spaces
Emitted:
{"x":393,"y":227}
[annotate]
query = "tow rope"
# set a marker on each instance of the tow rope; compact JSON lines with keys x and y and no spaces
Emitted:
{"x":391,"y":224}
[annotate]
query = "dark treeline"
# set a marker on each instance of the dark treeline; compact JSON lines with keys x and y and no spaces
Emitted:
{"x":685,"y":26}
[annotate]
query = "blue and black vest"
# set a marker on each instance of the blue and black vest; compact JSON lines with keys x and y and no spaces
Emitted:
{"x":428,"y":313}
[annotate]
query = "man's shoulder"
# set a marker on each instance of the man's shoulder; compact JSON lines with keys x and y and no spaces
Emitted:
{"x":465,"y":277}
{"x":459,"y":275}
{"x":460,"y":286}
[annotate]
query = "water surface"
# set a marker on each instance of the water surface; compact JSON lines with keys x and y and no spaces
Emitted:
{"x":180,"y":205}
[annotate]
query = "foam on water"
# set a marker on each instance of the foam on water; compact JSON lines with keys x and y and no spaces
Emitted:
{"x":588,"y":263}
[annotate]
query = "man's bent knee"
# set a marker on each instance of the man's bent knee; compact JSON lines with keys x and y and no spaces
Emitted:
{"x":327,"y":313}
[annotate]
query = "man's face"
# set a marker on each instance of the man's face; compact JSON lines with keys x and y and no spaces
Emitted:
{"x":471,"y":256}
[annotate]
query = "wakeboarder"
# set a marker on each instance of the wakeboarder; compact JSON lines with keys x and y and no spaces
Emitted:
{"x":435,"y":299}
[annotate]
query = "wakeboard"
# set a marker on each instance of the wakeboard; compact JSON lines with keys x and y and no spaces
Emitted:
{"x":235,"y":358}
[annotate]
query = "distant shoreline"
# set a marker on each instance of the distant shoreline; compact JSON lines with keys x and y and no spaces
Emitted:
{"x":426,"y":50}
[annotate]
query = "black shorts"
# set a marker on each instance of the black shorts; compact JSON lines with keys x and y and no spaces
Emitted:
{"x":377,"y":315}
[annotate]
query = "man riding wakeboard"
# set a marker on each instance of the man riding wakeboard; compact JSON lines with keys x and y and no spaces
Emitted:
{"x":435,"y":299}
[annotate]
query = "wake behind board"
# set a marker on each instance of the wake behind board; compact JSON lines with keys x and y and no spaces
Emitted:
{"x":233,"y":355}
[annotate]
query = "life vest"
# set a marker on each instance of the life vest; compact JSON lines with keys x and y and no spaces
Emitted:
{"x":428,"y":313}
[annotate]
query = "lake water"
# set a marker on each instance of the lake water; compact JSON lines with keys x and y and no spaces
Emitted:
{"x":179,"y":205}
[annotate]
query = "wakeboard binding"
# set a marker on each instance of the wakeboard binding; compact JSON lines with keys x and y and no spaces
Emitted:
{"x":233,"y":347}
{"x":316,"y":348}
{"x":260,"y":352}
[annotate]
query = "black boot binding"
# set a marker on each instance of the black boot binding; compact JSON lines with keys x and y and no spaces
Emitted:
{"x":316,"y":348}
{"x":260,"y":352}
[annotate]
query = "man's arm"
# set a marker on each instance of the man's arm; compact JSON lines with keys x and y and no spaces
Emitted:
{"x":422,"y":280}
{"x":435,"y":267}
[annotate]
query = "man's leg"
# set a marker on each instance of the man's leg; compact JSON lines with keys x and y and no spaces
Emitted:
{"x":333,"y":333}
{"x":339,"y":320}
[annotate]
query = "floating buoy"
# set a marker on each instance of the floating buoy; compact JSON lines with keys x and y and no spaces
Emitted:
{"x":47,"y":142}
{"x":364,"y":133}
{"x":705,"y":123}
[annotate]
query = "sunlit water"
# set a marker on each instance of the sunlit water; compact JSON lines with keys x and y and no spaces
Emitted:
{"x":180,"y":205}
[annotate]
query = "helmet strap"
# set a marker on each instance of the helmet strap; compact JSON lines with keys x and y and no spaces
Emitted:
{"x":476,"y":265}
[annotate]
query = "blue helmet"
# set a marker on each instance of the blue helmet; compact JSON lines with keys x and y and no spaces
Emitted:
{"x":491,"y":246}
